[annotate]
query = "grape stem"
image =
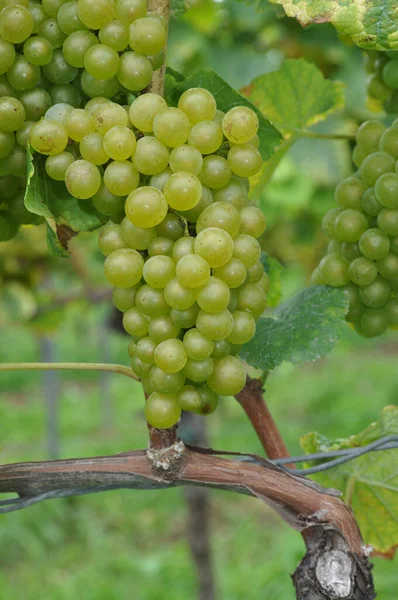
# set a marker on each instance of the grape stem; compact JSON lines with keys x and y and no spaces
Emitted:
{"x":162,"y":7}
{"x":39,"y":366}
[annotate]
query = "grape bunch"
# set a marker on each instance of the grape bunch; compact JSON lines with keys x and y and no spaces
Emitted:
{"x":180,"y":246}
{"x":57,"y":53}
{"x":382,"y":85}
{"x":362,"y":256}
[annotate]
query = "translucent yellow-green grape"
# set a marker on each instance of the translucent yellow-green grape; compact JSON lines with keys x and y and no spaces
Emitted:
{"x":240,"y":124}
{"x":215,"y":326}
{"x":206,"y":137}
{"x":171,"y":127}
{"x":82,"y":179}
{"x":146,"y":207}
{"x":183,"y":246}
{"x":78,"y":124}
{"x":182,"y":190}
{"x":166,"y":382}
{"x":247,"y":249}
{"x":120,"y":143}
{"x":48,"y":137}
{"x":110,"y":239}
{"x":170,"y":356}
{"x":135,"y":322}
{"x":171,"y":227}
{"x":215,"y":173}
{"x":233,"y":272}
{"x":121,"y":178}
{"x":162,"y":328}
{"x":159,"y":180}
{"x":144,"y":109}
{"x":252,"y":221}
{"x":214,"y":296}
{"x":96,"y":13}
{"x":109,"y":115}
{"x":198,"y":370}
{"x":123,"y":268}
{"x":189,"y":399}
{"x":179,"y":296}
{"x":197,"y":346}
{"x":159,"y":270}
{"x":162,"y":411}
{"x":193,"y":271}
{"x":234,"y":192}
{"x":124,"y":298}
{"x":57,"y":165}
{"x":220,"y":215}
{"x":92,"y":149}
{"x":215,"y":245}
{"x":147,"y":36}
{"x":228,"y":377}
{"x":138,"y":238}
{"x":244,"y":327}
{"x":185,"y":319}
{"x":252,"y":298}
{"x":150,"y":156}
{"x":135,"y":71}
{"x":186,"y":158}
{"x":151,"y":301}
{"x":198,"y":104}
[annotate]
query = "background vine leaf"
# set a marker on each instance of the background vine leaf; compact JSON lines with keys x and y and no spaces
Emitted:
{"x":291,"y":336}
{"x":369,"y":482}
{"x":372,"y":24}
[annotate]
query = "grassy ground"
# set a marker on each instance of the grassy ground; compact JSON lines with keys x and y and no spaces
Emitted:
{"x":132,"y":544}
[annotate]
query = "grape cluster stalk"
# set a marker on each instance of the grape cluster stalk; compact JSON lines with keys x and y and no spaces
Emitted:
{"x":181,"y":239}
{"x":362,"y":256}
{"x":382,"y":84}
{"x":54,"y":56}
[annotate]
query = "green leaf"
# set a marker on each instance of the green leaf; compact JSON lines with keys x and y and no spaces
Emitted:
{"x":65,"y":215}
{"x":226,"y":98}
{"x":177,"y":8}
{"x":369,"y":483}
{"x":274,"y":269}
{"x":372,"y":24}
{"x":295,"y":96}
{"x":291,"y":336}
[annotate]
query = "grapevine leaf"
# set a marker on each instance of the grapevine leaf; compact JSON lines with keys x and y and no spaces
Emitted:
{"x":295,"y":96}
{"x":177,"y":8}
{"x":369,"y":482}
{"x":226,"y":98}
{"x":372,"y":24}
{"x":291,"y":336}
{"x":273,"y":268}
{"x":65,"y":215}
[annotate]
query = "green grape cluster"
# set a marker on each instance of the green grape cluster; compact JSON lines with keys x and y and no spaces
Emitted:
{"x":362,"y":254}
{"x":181,"y":248}
{"x":382,"y":85}
{"x":54,"y":56}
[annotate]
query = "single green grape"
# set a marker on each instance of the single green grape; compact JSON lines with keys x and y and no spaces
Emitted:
{"x":147,"y":36}
{"x":247,"y":249}
{"x":58,"y":113}
{"x":391,"y":311}
{"x":228,"y":377}
{"x":171,"y":227}
{"x":221,"y":348}
{"x":162,"y":411}
{"x":252,"y":221}
{"x":362,"y":271}
{"x":214,"y":296}
{"x":48,"y":137}
{"x":78,"y":124}
{"x":386,"y":190}
{"x":39,"y":15}
{"x":66,"y":93}
{"x":140,"y":368}
{"x":128,"y":11}
{"x":189,"y":399}
{"x":158,"y":271}
{"x":123,"y":268}
{"x":166,"y":382}
{"x":390,"y":74}
{"x":121,"y":178}
{"x":145,"y":349}
{"x":7,"y":56}
{"x":389,"y":142}
{"x":208,"y":400}
{"x":12,"y":114}
{"x":162,"y":328}
{"x":376,"y":294}
{"x":220,"y":215}
{"x":350,"y":250}
{"x":146,"y":207}
{"x":233,"y":273}
{"x":51,"y":7}
{"x":215,"y":173}
{"x":136,"y":237}
{"x":234,"y":192}
{"x":205,"y":200}
{"x":22,"y":75}
{"x":369,"y":203}
{"x":114,"y":34}
{"x":375,"y":165}
{"x":82,"y":179}
{"x":151,"y":301}
{"x":244,"y":160}
{"x":38,"y":51}
{"x":368,"y":135}
{"x":15,"y":162}
{"x":387,"y":221}
{"x":206,"y":136}
{"x":110,"y":239}
{"x":244,"y":327}
{"x":150,"y":156}
{"x":68,"y":19}
{"x":57,"y":165}
{"x":57,"y":70}
{"x":96,"y":13}
{"x":388,"y":266}
{"x":108,"y":204}
{"x":215,"y":245}
{"x":182,"y":191}
{"x":93,"y":87}
{"x":36,"y":104}
{"x":334,"y":270}
{"x":134,"y":321}
{"x":198,"y":104}
{"x":193,"y":271}
{"x":374,"y":244}
{"x":350,"y":225}
{"x":50,"y":30}
{"x":109,"y":115}
{"x":170,"y":356}
{"x":185,"y":319}
{"x":16,"y":24}
{"x":124,"y":298}
{"x":374,"y":322}
{"x":198,"y":370}
{"x":252,"y":298}
{"x":256,"y":273}
{"x":186,"y":158}
{"x":159,"y":180}
{"x":92,"y":149}
{"x":215,"y":326}
{"x":179,"y":296}
{"x":160,"y":246}
{"x":119,"y":143}
{"x":197,"y":346}
{"x":171,"y":127}
{"x":7,"y":142}
{"x":144,"y":109}
{"x":135,"y":72}
{"x":240,"y":124}
{"x":101,"y":61}
{"x":349,"y":192}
